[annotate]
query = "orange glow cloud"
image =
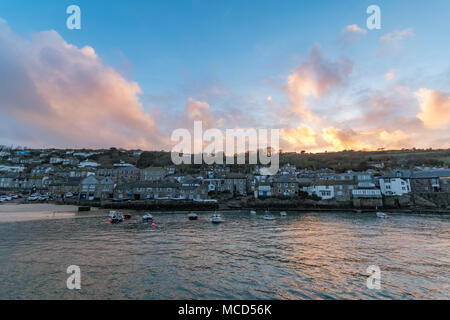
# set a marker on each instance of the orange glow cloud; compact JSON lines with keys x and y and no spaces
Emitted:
{"x":435,"y":107}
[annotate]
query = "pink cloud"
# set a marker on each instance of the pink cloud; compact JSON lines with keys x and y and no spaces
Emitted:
{"x":312,"y":79}
{"x":66,"y":96}
{"x":392,"y":41}
{"x":352,"y":33}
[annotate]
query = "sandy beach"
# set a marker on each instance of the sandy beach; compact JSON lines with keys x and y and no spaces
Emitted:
{"x":12,"y":212}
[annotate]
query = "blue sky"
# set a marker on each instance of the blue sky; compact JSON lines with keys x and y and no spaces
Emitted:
{"x":234,"y":54}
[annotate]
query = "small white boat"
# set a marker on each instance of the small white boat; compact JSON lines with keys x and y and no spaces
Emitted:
{"x":283,"y":213}
{"x":147,"y":218}
{"x":268,"y":216}
{"x":193,"y":216}
{"x":216,"y":218}
{"x":252,"y":212}
{"x":382,"y":215}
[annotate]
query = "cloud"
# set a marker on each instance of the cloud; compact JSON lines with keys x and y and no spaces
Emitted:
{"x":392,"y":41}
{"x":300,"y":138}
{"x":314,"y":78}
{"x":344,"y":139}
{"x":389,"y":76}
{"x":61,"y":95}
{"x":435,"y":106}
{"x":338,"y":139}
{"x":199,"y":111}
{"x":352,"y":33}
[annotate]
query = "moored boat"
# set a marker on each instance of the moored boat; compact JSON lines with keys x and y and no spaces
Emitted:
{"x":147,"y":218}
{"x":283,"y":213}
{"x":268,"y":216}
{"x":216,"y":218}
{"x":115,"y":217}
{"x":127,"y":216}
{"x":382,"y":215}
{"x":252,"y":212}
{"x":193,"y":216}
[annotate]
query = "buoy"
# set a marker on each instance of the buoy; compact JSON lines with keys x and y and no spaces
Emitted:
{"x":153,"y":225}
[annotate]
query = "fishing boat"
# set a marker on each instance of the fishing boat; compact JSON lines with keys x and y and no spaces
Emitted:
{"x":115,"y":217}
{"x":147,"y":218}
{"x":252,"y":212}
{"x":127,"y":216}
{"x":382,"y":215}
{"x":193,"y":216}
{"x":283,"y":213}
{"x":216,"y":218}
{"x":268,"y":216}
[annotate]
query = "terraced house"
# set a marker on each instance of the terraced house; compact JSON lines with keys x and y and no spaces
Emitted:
{"x":153,"y":174}
{"x":285,"y":186}
{"x":430,"y":181}
{"x":159,"y":191}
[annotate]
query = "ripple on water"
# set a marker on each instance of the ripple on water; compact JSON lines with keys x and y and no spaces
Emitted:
{"x":302,"y":256}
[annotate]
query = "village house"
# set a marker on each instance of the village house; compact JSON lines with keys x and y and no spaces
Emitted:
{"x":285,"y":186}
{"x":394,"y":186}
{"x":107,"y":185}
{"x":126,"y":174}
{"x":236,"y":184}
{"x":141,"y":190}
{"x":323,"y":190}
{"x":159,"y":190}
{"x":70,"y":162}
{"x":56,"y":160}
{"x":152,"y":174}
{"x":263,"y":189}
{"x":214,"y":185}
{"x":90,"y":188}
{"x":42,"y":170}
{"x":430,"y":181}
{"x":88,"y":164}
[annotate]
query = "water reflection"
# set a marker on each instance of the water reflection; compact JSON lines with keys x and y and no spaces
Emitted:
{"x":304,"y":255}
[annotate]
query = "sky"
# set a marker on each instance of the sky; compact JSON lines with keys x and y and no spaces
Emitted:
{"x":137,"y":70}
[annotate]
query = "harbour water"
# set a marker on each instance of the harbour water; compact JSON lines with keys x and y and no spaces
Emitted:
{"x":301,"y":256}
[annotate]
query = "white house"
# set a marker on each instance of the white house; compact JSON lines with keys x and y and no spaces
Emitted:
{"x":86,"y":164}
{"x":325,"y":192}
{"x":394,"y":186}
